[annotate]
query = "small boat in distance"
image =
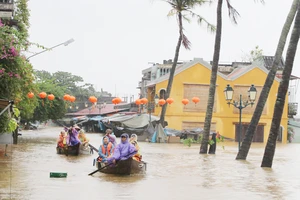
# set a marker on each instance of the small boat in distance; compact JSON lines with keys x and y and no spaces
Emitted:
{"x":123,"y":167}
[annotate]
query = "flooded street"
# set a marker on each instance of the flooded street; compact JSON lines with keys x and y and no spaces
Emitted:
{"x":174,"y":171}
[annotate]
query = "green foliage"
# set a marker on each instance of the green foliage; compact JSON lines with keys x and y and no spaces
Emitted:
{"x":189,"y":141}
{"x":256,"y":54}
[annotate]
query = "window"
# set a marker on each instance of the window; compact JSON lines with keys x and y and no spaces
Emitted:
{"x":162,"y":93}
{"x":197,"y":90}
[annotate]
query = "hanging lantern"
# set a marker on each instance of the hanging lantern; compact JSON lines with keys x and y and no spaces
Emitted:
{"x":170,"y":100}
{"x":92,"y":99}
{"x":185,"y":101}
{"x":42,"y":95}
{"x":138,"y":102}
{"x":30,"y":95}
{"x":114,"y":101}
{"x":118,"y":100}
{"x":51,"y":97}
{"x":72,"y":99}
{"x":144,"y":101}
{"x":66,"y":97}
{"x":161,"y":102}
{"x":195,"y":100}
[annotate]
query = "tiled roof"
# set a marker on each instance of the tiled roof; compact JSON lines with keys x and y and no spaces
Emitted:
{"x":109,"y":108}
{"x":268,"y":62}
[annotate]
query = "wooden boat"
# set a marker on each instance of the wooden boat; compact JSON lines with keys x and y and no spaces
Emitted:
{"x":124,"y":167}
{"x":69,"y":150}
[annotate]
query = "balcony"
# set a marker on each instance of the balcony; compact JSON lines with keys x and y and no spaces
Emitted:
{"x":6,"y":8}
{"x":292,"y":109}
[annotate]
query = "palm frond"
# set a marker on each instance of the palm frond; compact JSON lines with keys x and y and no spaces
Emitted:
{"x":232,"y":12}
{"x":202,"y":20}
{"x":186,"y":18}
{"x":185,"y":41}
{"x":172,"y":12}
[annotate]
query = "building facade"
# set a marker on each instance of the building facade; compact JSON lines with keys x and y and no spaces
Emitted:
{"x":192,"y":80}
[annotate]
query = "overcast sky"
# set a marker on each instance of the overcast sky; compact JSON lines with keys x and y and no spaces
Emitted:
{"x":115,"y":40}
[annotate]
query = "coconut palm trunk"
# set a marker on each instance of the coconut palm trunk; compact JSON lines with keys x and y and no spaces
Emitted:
{"x":213,"y":80}
{"x":282,"y":90}
{"x":172,"y":72}
{"x":243,"y":152}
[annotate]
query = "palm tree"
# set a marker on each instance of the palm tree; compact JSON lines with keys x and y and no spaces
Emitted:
{"x":213,"y":78}
{"x":282,"y":90}
{"x":243,"y":152}
{"x":181,"y":8}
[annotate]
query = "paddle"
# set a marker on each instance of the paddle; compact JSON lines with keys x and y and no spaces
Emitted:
{"x":100,"y":169}
{"x":95,"y":149}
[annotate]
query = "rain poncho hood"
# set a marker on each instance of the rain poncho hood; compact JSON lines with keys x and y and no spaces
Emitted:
{"x":124,"y":150}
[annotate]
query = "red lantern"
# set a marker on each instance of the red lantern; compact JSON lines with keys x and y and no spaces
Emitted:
{"x":30,"y":95}
{"x":185,"y":101}
{"x":170,"y":100}
{"x":51,"y":97}
{"x":195,"y":100}
{"x":67,"y":97}
{"x":161,"y":102}
{"x":92,"y":99}
{"x":144,"y":101}
{"x":72,"y":98}
{"x":138,"y":102}
{"x":114,"y":101}
{"x":42,"y":95}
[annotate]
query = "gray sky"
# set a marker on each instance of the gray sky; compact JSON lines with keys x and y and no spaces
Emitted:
{"x":115,"y":40}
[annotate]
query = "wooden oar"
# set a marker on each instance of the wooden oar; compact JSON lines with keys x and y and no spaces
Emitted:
{"x":94,"y":148}
{"x":99,"y":169}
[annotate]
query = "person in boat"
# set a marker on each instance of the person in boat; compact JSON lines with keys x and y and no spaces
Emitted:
{"x":83,"y":139}
{"x":73,"y":136}
{"x":123,"y":151}
{"x":133,"y":140}
{"x":61,"y":140}
{"x":111,"y":136}
{"x":106,"y":150}
{"x":212,"y":147}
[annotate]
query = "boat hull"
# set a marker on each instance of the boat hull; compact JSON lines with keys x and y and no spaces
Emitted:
{"x":70,"y":150}
{"x":124,"y":167}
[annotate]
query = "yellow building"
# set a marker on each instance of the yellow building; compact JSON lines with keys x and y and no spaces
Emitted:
{"x":192,"y":80}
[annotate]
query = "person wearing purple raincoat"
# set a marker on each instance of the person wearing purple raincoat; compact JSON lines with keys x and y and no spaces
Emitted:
{"x":73,"y":136}
{"x":123,"y":151}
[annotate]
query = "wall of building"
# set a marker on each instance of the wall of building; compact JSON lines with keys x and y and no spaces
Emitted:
{"x":224,"y":117}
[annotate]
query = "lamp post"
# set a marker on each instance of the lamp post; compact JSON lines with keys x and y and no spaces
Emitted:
{"x":151,"y":106}
{"x":66,"y":43}
{"x":240,"y":104}
{"x":103,"y":105}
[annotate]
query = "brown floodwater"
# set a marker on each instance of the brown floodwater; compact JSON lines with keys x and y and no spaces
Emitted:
{"x":174,"y":171}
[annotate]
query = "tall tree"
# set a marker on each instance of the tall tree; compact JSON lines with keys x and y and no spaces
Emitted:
{"x":214,"y":70}
{"x":282,"y":90}
{"x":243,"y":152}
{"x":181,"y":8}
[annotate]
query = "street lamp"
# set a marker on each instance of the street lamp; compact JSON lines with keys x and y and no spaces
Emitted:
{"x":66,"y":43}
{"x":103,"y":105}
{"x":228,"y":92}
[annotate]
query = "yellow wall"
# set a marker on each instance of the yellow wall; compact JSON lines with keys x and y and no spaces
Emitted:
{"x":224,"y":116}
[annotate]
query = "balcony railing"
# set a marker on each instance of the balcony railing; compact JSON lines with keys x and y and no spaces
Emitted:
{"x":292,"y":109}
{"x":6,"y":8}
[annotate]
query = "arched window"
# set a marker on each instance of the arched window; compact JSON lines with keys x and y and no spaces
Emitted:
{"x":162,"y":93}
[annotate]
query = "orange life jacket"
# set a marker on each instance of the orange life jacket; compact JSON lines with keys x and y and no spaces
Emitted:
{"x":60,"y":142}
{"x":107,"y":150}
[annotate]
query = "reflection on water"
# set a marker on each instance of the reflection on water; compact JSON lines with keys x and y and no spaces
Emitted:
{"x":174,"y":171}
